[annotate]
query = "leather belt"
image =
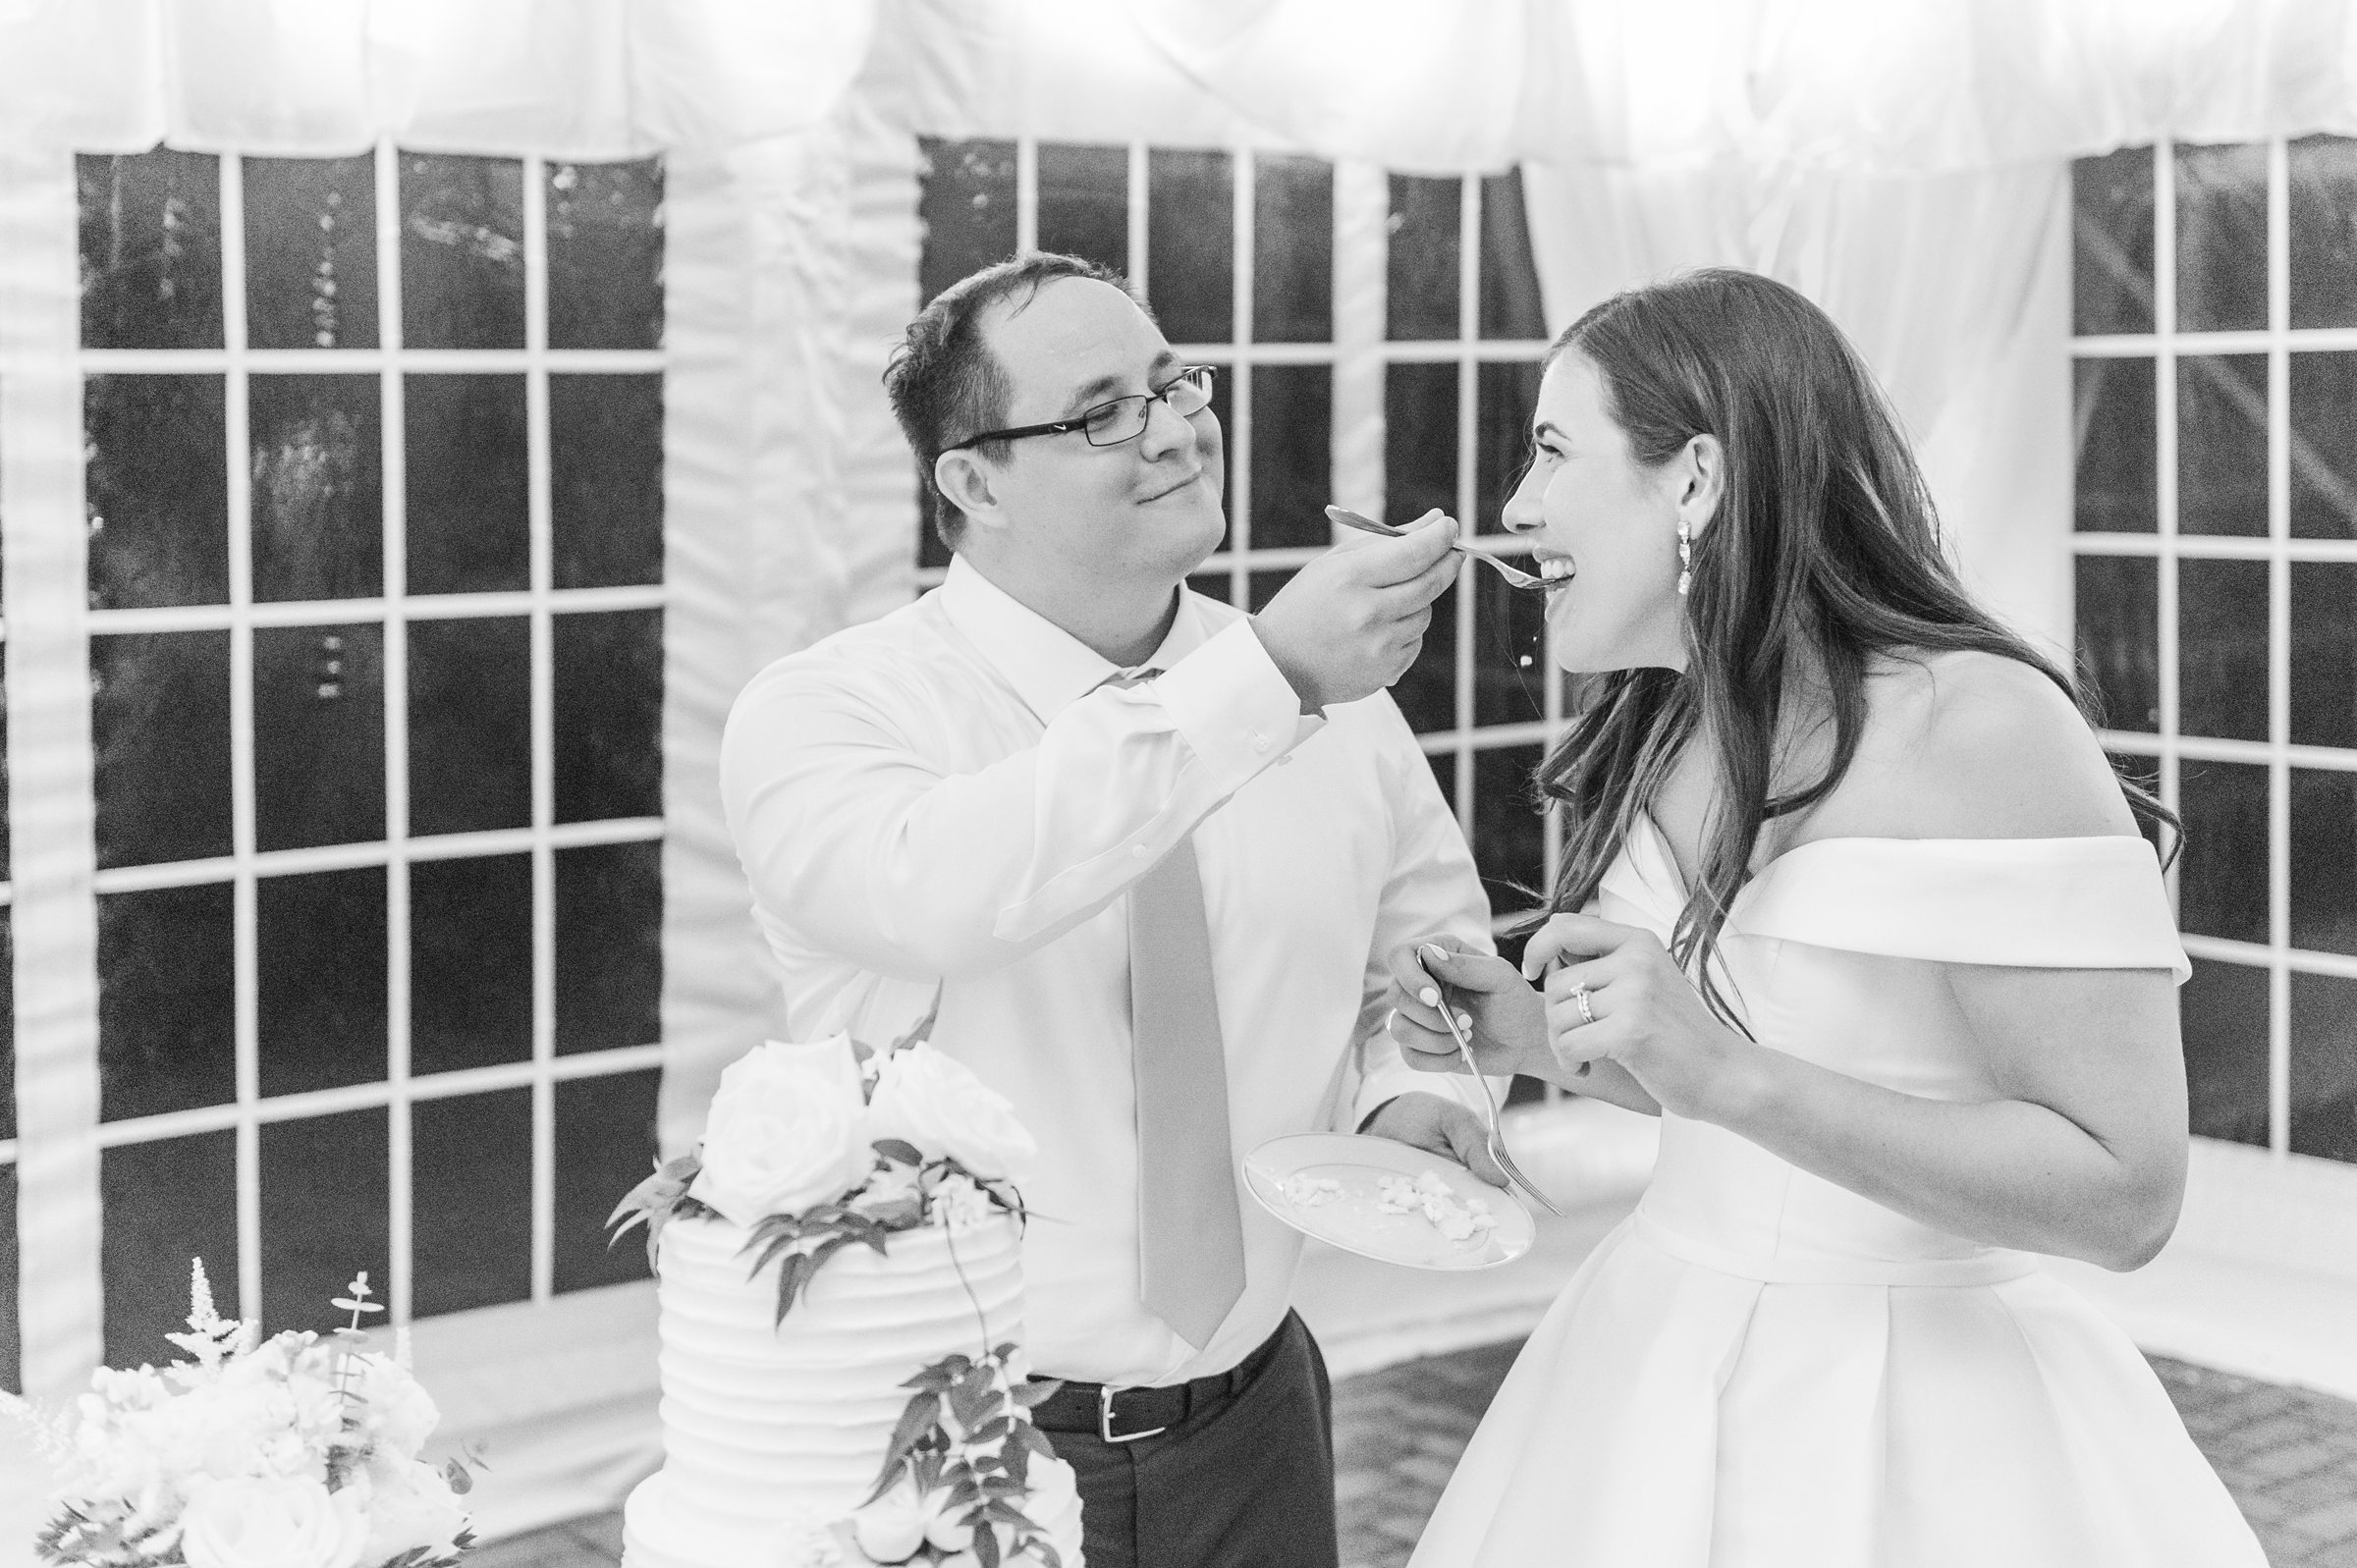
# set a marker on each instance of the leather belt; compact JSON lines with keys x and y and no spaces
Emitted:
{"x":1127,"y":1414}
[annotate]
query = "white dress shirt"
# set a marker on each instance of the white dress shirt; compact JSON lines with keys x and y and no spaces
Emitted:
{"x":952,"y":797}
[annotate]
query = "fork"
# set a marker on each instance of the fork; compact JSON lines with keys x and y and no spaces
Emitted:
{"x":1495,"y":1139}
{"x":1514,"y":576}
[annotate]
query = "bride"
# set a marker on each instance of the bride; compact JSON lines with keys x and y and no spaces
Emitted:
{"x":1862,"y":912}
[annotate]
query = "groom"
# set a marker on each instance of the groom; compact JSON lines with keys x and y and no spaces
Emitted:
{"x":1153,"y":851}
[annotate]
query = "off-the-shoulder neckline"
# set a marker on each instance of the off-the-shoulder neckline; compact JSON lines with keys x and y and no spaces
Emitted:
{"x":1661,"y":846}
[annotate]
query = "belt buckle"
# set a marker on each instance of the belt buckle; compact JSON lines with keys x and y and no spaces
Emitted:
{"x":1105,"y":1393}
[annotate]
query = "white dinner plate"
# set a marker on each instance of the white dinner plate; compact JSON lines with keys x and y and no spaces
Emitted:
{"x":1350,"y":1218}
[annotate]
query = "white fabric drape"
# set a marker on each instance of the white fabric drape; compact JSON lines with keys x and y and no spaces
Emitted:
{"x":571,"y":79}
{"x":1862,"y":84}
{"x":1954,"y":286}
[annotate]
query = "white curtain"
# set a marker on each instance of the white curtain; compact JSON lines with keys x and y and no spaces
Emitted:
{"x":571,"y":78}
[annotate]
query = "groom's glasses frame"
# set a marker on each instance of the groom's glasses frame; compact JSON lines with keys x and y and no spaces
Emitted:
{"x":1109,"y":425}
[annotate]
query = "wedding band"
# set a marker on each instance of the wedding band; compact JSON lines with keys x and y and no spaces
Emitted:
{"x":1579,"y":993}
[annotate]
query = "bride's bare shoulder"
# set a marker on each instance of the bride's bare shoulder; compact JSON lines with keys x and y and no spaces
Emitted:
{"x":1974,"y":746}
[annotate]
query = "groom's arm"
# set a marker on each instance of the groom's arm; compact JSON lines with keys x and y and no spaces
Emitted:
{"x":1432,"y":889}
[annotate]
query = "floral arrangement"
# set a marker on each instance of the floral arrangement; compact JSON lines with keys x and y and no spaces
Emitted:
{"x":292,"y":1452}
{"x":815,"y":1148}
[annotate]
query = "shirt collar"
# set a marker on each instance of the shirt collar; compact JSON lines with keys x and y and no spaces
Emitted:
{"x":1048,"y":666}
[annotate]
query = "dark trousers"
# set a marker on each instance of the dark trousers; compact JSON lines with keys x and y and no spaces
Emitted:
{"x":1248,"y":1482}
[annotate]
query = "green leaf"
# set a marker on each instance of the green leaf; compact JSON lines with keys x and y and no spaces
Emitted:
{"x":459,"y":1477}
{"x":789,"y":1282}
{"x":990,"y":1431}
{"x":986,"y":1546}
{"x":1038,"y":1392}
{"x":917,"y":1419}
{"x":899,"y":1151}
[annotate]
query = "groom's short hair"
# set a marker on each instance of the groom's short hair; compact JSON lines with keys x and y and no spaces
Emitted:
{"x":943,"y":382}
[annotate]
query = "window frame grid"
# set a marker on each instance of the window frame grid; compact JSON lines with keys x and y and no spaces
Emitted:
{"x":2167,"y":546}
{"x":539,"y":602}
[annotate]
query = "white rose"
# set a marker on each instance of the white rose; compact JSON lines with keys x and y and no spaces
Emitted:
{"x":396,"y":1412}
{"x":409,"y":1505}
{"x":962,"y":1204}
{"x":891,"y":1528}
{"x":787,"y":1132}
{"x":926,"y":1098}
{"x":260,"y":1522}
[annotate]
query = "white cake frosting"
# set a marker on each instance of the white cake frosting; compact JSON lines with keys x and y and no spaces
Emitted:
{"x":770,"y":1429}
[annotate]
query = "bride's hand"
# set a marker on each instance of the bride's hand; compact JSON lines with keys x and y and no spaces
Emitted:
{"x":1640,"y":1010}
{"x":1506,"y":1020}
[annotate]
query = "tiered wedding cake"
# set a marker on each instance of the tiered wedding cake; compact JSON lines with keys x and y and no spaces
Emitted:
{"x":841,"y":1306}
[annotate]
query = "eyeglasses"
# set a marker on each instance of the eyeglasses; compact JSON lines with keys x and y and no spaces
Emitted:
{"x":1109,"y":425}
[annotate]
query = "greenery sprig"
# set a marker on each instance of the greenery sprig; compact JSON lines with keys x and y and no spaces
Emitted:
{"x":986,"y":1472}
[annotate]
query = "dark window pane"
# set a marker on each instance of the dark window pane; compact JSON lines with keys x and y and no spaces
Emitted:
{"x":1214,"y":585}
{"x":12,"y":1357}
{"x":1427,"y":693}
{"x":2116,"y":471}
{"x":1510,"y":648}
{"x":2222,"y":649}
{"x":1509,"y":276}
{"x":605,"y":1144}
{"x":469,"y":513}
{"x":1419,"y":440}
{"x":2223,"y":1012}
{"x":311,"y":253}
{"x":156,"y":490}
{"x":605,"y":441}
{"x":8,"y":1028}
{"x":2222,"y":238}
{"x":1222,"y":413}
{"x":321,"y":937}
{"x":605,"y":254}
{"x":470,"y":962}
{"x":327,"y":1215}
{"x":1292,"y":249}
{"x":1262,"y":586}
{"x":609,"y":715}
{"x":2222,"y":879}
{"x":1293,"y":455}
{"x":2323,"y":860}
{"x":2221,"y":444}
{"x":150,"y":251}
{"x":470,"y":1198}
{"x":163,"y":1203}
{"x":2323,"y":232}
{"x":319,"y":487}
{"x":966,"y":205}
{"x":1444,"y":775}
{"x":1509,"y":835}
{"x":2323,"y":445}
{"x":1085,"y":202}
{"x":1190,"y":243}
{"x":1507,"y":394}
{"x":159,"y":732}
{"x":1427,"y":230}
{"x":2120,"y":637}
{"x":462,"y":251}
{"x":2111,"y":243}
{"x":2324,"y":1066}
{"x":318,"y":735}
{"x":2323,"y":653}
{"x":609,"y":946}
{"x":167,"y":1000}
{"x":471,"y":725}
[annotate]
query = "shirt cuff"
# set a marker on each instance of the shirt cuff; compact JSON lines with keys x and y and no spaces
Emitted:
{"x":1236,"y":711}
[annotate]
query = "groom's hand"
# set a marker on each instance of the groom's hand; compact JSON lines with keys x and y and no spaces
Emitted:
{"x":1439,"y":1124}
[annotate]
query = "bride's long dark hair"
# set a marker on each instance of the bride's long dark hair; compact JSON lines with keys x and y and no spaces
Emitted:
{"x":1823,"y":553}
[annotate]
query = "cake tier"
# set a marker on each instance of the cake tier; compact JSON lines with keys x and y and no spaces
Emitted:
{"x":659,"y":1532}
{"x":765,"y":1422}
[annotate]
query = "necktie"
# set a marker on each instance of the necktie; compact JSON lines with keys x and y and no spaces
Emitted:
{"x":1190,"y":1235}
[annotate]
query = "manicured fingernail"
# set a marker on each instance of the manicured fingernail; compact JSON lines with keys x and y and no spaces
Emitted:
{"x":1429,"y":997}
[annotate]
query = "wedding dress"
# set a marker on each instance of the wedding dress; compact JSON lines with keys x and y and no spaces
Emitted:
{"x":1763,"y":1370}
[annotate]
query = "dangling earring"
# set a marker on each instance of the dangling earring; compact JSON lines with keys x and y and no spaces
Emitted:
{"x":1686,"y":556}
